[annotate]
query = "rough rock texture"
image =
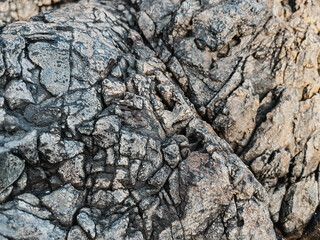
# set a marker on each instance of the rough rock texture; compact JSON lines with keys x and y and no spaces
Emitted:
{"x":143,"y":119}
{"x":13,"y":10}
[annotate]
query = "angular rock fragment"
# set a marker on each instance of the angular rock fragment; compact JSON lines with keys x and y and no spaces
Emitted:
{"x":86,"y":224}
{"x":63,"y":203}
{"x":106,"y":131}
{"x":11,"y":168}
{"x":112,"y":89}
{"x":72,"y":171}
{"x":132,"y":145}
{"x":26,"y":147}
{"x":17,"y":94}
{"x":55,"y":150}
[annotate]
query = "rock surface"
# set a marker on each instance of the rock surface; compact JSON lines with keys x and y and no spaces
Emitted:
{"x":161,"y":120}
{"x":13,"y":10}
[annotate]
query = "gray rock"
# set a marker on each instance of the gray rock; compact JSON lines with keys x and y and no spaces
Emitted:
{"x":132,"y":145}
{"x":76,"y":233}
{"x":81,"y":106}
{"x":54,"y":63}
{"x":72,"y":171}
{"x":160,"y":177}
{"x":86,"y":224}
{"x":50,"y":147}
{"x":20,"y":184}
{"x":17,"y":94}
{"x":112,"y":89}
{"x":17,"y":224}
{"x":26,"y":147}
{"x":172,"y":154}
{"x":63,"y":203}
{"x":54,"y":149}
{"x":117,"y":230}
{"x":11,"y":168}
{"x":4,"y":194}
{"x":106,"y":131}
{"x":304,"y":193}
{"x":15,"y":10}
{"x":103,"y":181}
{"x":151,"y":108}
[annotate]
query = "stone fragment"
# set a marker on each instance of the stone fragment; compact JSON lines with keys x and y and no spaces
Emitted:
{"x":81,"y":106}
{"x":86,"y":224}
{"x":37,"y":179}
{"x":17,"y":94}
{"x":299,"y":204}
{"x":76,"y":233}
{"x":172,"y":154}
{"x":72,"y":171}
{"x":117,"y":230}
{"x":20,"y":184}
{"x":63,"y":203}
{"x":4,"y":194}
{"x":160,"y":177}
{"x":50,"y":147}
{"x":11,"y":168}
{"x":132,"y":145}
{"x":103,"y":181}
{"x":55,"y":150}
{"x":26,"y":147}
{"x":112,"y":89}
{"x":106,"y":131}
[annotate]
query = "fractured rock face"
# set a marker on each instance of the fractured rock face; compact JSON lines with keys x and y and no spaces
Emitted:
{"x":24,"y":219}
{"x":261,"y":102}
{"x":146,"y":135}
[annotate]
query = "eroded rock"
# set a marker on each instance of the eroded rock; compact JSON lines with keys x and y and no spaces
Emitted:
{"x":149,"y":124}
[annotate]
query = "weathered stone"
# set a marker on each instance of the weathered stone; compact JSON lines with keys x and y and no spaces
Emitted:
{"x":160,"y":177}
{"x":14,"y":10}
{"x":17,"y":224}
{"x":149,"y":106}
{"x":54,"y":63}
{"x":299,"y":204}
{"x":26,"y":147}
{"x":132,"y":145}
{"x":72,"y":171}
{"x":55,"y":150}
{"x":172,"y":155}
{"x":17,"y":94}
{"x":112,"y":89}
{"x":76,"y":233}
{"x":86,"y":224}
{"x":37,"y":179}
{"x":20,"y":184}
{"x":50,"y":147}
{"x":106,"y":131}
{"x":117,"y":230}
{"x":63,"y":203}
{"x":103,"y":181}
{"x":81,"y":106}
{"x":11,"y":168}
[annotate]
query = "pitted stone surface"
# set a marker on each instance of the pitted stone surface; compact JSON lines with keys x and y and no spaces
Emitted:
{"x":141,"y":120}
